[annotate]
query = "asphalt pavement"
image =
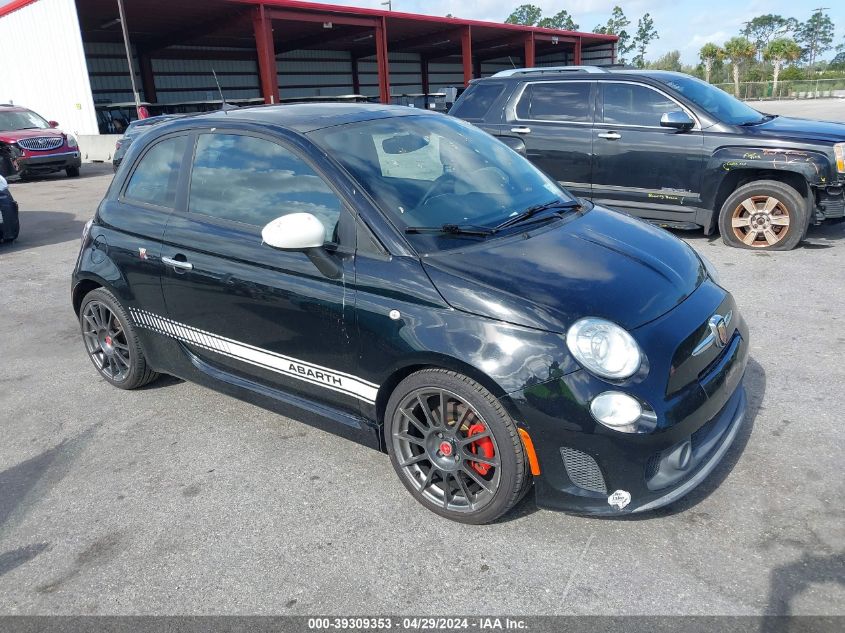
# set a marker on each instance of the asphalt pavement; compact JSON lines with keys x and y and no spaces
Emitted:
{"x":178,"y":500}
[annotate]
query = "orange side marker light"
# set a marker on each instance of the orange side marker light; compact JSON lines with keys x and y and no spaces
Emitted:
{"x":529,"y":449}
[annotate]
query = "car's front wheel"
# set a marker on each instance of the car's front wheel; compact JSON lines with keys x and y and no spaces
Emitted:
{"x":765,"y":214}
{"x":72,"y":172}
{"x":111,"y":341}
{"x":454,"y":446}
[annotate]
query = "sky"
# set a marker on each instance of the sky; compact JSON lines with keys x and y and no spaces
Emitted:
{"x":682,"y":24}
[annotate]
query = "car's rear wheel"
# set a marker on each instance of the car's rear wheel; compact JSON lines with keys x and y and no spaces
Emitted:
{"x":454,"y":446}
{"x":111,"y":341}
{"x":72,"y":172}
{"x":764,"y":215}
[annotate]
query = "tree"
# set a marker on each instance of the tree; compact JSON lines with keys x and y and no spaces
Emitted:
{"x":527,"y":14}
{"x":646,"y":33}
{"x":815,"y":35}
{"x":710,"y":53}
{"x":780,"y":50}
{"x":764,"y":28}
{"x":561,"y":20}
{"x":616,"y":26}
{"x":669,"y":61}
{"x":738,"y":50}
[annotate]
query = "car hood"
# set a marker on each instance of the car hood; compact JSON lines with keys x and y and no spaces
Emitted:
{"x":800,"y":128}
{"x":601,"y":263}
{"x":12,"y":136}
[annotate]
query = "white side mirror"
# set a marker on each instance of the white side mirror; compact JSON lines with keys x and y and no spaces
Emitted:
{"x":294,"y":232}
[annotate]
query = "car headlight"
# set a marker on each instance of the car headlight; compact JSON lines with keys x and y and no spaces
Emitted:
{"x":839,"y":151}
{"x":710,"y":268}
{"x":621,"y":412}
{"x":3,"y":184}
{"x":72,"y":142}
{"x":604,"y":348}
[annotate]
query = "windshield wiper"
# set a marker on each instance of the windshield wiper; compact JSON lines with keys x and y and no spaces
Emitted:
{"x":530,"y":212}
{"x":453,"y":229}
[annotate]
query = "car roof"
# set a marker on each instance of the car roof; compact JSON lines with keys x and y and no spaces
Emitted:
{"x":307,"y":117}
{"x":8,"y":107}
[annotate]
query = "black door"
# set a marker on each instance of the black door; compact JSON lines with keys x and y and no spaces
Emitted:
{"x":554,"y":119}
{"x":649,"y":170}
{"x":133,"y":225}
{"x":239,"y":306}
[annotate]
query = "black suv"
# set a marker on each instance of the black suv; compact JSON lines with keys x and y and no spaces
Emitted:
{"x":669,"y":148}
{"x":401,"y":278}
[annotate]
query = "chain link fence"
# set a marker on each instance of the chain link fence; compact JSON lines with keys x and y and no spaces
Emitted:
{"x":791,"y":89}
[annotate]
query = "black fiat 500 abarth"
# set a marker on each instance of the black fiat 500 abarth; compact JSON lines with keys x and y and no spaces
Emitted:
{"x":404,"y":279}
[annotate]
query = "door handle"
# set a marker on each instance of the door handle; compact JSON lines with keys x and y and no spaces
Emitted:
{"x":178,"y":265}
{"x":521,"y":130}
{"x":611,"y":136}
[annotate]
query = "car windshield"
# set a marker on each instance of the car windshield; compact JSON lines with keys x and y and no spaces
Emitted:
{"x":22,"y":120}
{"x":715,"y":101}
{"x":434,"y":170}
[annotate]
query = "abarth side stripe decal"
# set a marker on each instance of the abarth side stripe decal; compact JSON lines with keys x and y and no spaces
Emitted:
{"x":278,"y":363}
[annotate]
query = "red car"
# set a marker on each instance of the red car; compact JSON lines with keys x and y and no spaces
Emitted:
{"x":30,"y":145}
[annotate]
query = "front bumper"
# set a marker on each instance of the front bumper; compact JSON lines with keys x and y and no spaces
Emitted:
{"x":49,"y":162}
{"x":9,"y":224}
{"x":583,"y":464}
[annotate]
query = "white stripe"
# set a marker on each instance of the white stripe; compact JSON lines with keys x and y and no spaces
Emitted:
{"x":285,"y":365}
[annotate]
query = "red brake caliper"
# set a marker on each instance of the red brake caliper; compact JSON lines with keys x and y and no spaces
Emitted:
{"x":483,"y":447}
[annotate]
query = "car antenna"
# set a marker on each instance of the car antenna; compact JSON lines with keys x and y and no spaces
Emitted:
{"x":223,"y":103}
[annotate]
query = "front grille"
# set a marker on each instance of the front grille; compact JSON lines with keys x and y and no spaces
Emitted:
{"x":41,"y":143}
{"x":583,"y":470}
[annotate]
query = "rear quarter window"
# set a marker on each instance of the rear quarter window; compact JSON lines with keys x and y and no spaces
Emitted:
{"x":155,"y":178}
{"x":476,"y":102}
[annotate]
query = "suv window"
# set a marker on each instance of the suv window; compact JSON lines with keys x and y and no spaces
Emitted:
{"x":631,"y":104}
{"x":253,"y":180}
{"x":157,"y":174}
{"x":564,"y":101}
{"x":477,"y":100}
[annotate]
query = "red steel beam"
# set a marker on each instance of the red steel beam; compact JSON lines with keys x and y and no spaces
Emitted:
{"x":466,"y":53}
{"x":265,"y":48}
{"x":320,"y":17}
{"x":577,"y":56}
{"x":383,"y":62}
{"x":530,"y":50}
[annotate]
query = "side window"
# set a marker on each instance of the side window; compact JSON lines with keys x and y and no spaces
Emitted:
{"x":476,"y":101}
{"x":254,"y":181}
{"x":155,"y":178}
{"x":630,"y":104}
{"x":569,"y":101}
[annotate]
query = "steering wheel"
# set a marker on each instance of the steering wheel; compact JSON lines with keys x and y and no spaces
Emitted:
{"x":438,"y":187}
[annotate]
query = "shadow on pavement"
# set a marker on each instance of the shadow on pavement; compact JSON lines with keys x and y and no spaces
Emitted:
{"x":42,"y":228}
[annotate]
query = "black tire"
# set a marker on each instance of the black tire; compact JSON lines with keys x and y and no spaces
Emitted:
{"x":118,"y":335}
{"x":749,"y":220}
{"x":470,"y":405}
{"x":72,"y":172}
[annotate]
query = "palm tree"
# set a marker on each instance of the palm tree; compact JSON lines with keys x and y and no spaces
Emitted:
{"x":738,"y":50}
{"x":778,"y":52}
{"x":709,"y":54}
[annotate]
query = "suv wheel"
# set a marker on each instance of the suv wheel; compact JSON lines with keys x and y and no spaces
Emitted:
{"x":72,"y":172}
{"x":765,"y":214}
{"x":111,"y":341}
{"x":454,"y":447}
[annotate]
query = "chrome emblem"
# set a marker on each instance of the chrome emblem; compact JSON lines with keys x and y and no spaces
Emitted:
{"x":719,"y":328}
{"x":719,"y":335}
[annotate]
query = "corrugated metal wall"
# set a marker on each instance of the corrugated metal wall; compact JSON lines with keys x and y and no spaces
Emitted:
{"x":53,"y":81}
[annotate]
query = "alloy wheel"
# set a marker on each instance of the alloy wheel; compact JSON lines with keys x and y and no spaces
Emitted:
{"x":105,"y":340}
{"x":760,"y":221}
{"x":446,"y":450}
